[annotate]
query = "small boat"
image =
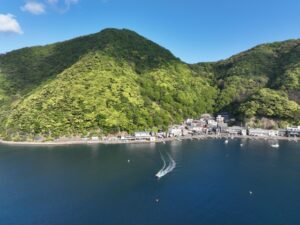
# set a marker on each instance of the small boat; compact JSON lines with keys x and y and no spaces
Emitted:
{"x":275,"y":145}
{"x":226,"y":141}
{"x":241,"y":145}
{"x":128,"y":160}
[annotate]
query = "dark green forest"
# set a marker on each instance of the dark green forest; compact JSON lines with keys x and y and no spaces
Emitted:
{"x":117,"y":80}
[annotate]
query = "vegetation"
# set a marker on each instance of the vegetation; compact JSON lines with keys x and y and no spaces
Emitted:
{"x":273,"y":104}
{"x":116,"y":80}
{"x":126,"y":84}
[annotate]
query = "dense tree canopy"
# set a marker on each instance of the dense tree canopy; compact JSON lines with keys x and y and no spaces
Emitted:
{"x":116,"y":80}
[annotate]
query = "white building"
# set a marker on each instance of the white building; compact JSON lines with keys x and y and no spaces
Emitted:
{"x":161,"y":134}
{"x":189,"y":122}
{"x":237,"y":130}
{"x":142,"y":135}
{"x":262,"y":132}
{"x":152,"y":139}
{"x":212,"y":123}
{"x":197,"y":130}
{"x":95,"y":138}
{"x":296,"y":129}
{"x":199,"y":123}
{"x":175,"y":132}
{"x":220,"y":119}
{"x":293,"y":131}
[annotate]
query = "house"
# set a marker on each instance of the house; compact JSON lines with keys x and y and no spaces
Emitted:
{"x":273,"y":133}
{"x":244,"y":132}
{"x":220,"y":119}
{"x":293,"y":131}
{"x":212,"y":123}
{"x":225,"y":116}
{"x":222,"y":128}
{"x":161,"y":134}
{"x":189,"y":122}
{"x":196,"y":130}
{"x":175,"y":132}
{"x":199,"y":123}
{"x":152,"y":139}
{"x":143,"y":135}
{"x":95,"y":138}
{"x":236,"y":130}
{"x":262,"y":132}
{"x":282,"y":132}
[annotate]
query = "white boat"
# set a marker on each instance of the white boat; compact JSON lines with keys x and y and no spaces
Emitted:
{"x":241,"y":145}
{"x":275,"y":145}
{"x":226,"y":141}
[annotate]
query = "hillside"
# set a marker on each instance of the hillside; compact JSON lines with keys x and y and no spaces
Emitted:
{"x":117,"y":80}
{"x":263,"y":82}
{"x":111,"y":81}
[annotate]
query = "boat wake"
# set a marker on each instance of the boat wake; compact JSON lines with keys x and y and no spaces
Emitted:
{"x":169,"y":165}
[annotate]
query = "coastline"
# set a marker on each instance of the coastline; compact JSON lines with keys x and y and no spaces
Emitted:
{"x":198,"y":137}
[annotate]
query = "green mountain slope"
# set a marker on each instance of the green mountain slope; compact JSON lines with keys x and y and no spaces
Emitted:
{"x":252,"y":82}
{"x":123,"y":83}
{"x":117,"y":80}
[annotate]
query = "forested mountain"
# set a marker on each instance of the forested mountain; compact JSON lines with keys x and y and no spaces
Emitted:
{"x":116,"y":80}
{"x":263,"y":81}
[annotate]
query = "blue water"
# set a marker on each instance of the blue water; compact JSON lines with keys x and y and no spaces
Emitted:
{"x":211,"y":184}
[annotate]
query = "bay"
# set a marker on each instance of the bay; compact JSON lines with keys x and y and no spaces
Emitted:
{"x":212,"y":183}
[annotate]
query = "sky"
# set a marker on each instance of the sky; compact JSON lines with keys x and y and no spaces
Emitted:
{"x":193,"y":30}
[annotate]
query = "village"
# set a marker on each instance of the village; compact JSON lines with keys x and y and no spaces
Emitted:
{"x":205,"y":126}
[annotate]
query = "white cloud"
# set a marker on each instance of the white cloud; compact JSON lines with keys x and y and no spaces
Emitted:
{"x":9,"y":24}
{"x":34,"y":8}
{"x":52,"y":1}
{"x":62,"y":6}
{"x":70,"y":2}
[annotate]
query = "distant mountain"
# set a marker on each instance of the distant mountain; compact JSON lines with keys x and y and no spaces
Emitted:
{"x":117,"y":80}
{"x":263,"y":81}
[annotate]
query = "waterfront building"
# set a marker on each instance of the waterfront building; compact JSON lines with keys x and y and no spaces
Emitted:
{"x":293,"y":131}
{"x":262,"y":132}
{"x":142,"y":135}
{"x":236,"y":130}
{"x":95,"y":138}
{"x":220,"y":119}
{"x":175,"y":131}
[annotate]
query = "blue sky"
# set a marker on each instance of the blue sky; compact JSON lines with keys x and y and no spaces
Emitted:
{"x":194,"y":30}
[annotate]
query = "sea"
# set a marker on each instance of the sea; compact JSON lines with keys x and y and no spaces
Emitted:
{"x":190,"y":182}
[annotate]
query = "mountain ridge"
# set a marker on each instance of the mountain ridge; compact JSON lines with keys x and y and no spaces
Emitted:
{"x":116,"y":80}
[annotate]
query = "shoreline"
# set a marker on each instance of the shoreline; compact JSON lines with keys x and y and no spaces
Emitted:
{"x":198,"y":137}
